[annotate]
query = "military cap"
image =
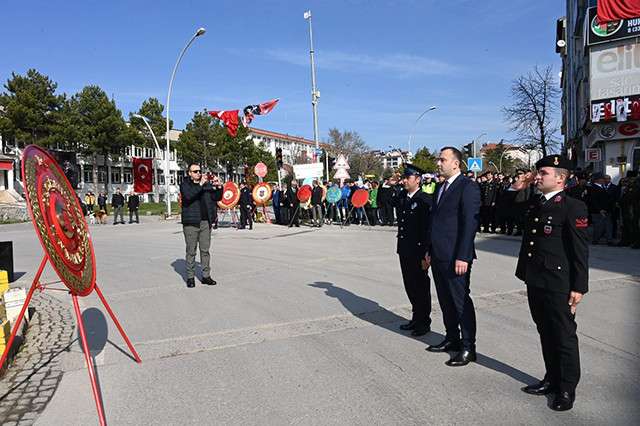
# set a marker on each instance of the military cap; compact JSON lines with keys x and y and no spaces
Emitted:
{"x":411,"y":170}
{"x":557,"y":161}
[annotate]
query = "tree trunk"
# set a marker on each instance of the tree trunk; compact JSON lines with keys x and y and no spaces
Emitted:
{"x":94,"y":172}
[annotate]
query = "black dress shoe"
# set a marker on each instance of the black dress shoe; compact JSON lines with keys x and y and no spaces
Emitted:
{"x":444,"y":346}
{"x":191,"y":282}
{"x":208,"y":281}
{"x":543,"y":387}
{"x":420,"y":330}
{"x":462,"y":358}
{"x":563,"y":401}
{"x":408,"y":326}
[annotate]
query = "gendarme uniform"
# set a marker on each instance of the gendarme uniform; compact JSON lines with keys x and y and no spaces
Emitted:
{"x":553,"y":262}
{"x":413,"y":214}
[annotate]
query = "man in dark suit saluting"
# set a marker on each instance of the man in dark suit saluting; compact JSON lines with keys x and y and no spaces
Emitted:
{"x":453,"y":225}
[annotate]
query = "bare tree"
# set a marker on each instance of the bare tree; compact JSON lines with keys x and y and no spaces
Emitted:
{"x":535,"y":97}
{"x":350,"y":144}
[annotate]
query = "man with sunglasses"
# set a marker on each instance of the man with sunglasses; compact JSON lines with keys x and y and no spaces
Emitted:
{"x":198,"y":215}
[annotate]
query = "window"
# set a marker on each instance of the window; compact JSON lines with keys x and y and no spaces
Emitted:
{"x":102,"y":174}
{"x":138,"y":151}
{"x":127,"y":151}
{"x":180,"y":176}
{"x":127,"y":175}
{"x":172,"y":177}
{"x":115,"y":175}
{"x":88,"y":174}
{"x":161,"y":179}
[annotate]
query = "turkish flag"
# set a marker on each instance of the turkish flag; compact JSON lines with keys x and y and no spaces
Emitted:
{"x":142,"y":175}
{"x":613,"y":10}
{"x":229,"y":118}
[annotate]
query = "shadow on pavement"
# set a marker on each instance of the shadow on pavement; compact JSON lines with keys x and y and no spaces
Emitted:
{"x":370,"y":311}
{"x":180,"y":267}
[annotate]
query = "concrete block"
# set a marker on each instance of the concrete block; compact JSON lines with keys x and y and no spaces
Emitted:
{"x":13,"y":300}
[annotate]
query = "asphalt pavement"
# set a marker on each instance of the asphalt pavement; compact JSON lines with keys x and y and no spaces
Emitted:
{"x":302,"y":328}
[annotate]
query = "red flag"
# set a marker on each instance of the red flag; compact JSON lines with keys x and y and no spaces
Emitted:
{"x":142,"y":175}
{"x":229,"y":118}
{"x":613,"y":10}
{"x":266,"y":107}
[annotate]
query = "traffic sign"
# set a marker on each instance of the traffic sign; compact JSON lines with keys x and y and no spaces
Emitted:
{"x":592,"y":154}
{"x":260,"y":169}
{"x":474,"y":164}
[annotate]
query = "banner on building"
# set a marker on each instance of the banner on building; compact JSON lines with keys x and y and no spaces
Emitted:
{"x":142,"y":175}
{"x":303,"y":171}
{"x":603,"y":32}
{"x":613,"y":10}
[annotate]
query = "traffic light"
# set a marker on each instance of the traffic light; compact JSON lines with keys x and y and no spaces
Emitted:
{"x":332,"y":162}
{"x":467,"y":150}
{"x":279,"y":162}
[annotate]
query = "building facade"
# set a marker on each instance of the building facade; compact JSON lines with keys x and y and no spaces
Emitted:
{"x":393,"y":158}
{"x":600,"y":90}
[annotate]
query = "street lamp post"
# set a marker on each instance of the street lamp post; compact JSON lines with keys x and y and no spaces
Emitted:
{"x":198,"y":33}
{"x":416,"y":123}
{"x":153,"y":135}
{"x":315,"y":94}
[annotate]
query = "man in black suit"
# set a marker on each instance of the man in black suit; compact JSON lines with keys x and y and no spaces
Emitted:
{"x":453,"y":226}
{"x":246,"y":206}
{"x":294,"y":204}
{"x":553,"y":263}
{"x":413,"y":216}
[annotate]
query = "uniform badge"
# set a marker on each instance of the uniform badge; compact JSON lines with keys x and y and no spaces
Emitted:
{"x":582,"y":222}
{"x":557,"y":199}
{"x":555,"y":161}
{"x":414,"y":205}
{"x":547,"y":229}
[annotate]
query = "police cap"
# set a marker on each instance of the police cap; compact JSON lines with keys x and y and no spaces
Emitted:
{"x":411,"y":170}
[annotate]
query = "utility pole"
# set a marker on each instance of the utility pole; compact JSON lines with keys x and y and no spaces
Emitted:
{"x":315,"y":94}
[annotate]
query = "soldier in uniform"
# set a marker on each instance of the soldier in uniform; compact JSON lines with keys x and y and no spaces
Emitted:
{"x":246,"y":206}
{"x":488,"y":196}
{"x":553,"y":263}
{"x":413,"y":207}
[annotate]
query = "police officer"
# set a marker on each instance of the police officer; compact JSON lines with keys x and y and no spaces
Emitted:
{"x":553,"y":263}
{"x":246,"y":206}
{"x":413,"y":207}
{"x":488,"y":197}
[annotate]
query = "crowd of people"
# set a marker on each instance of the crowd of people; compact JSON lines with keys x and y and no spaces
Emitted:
{"x":614,"y":209}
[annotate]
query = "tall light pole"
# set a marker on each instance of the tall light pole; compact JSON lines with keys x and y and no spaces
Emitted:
{"x":315,"y":94}
{"x":153,"y":135}
{"x":474,"y":144}
{"x":198,"y":33}
{"x":416,"y":123}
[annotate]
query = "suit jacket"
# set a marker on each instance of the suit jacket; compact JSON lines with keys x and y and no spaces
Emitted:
{"x":454,"y":221}
{"x":555,"y":247}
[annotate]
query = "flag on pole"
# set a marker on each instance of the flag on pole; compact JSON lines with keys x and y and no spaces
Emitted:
{"x":250,"y":111}
{"x":142,"y":175}
{"x":613,"y":10}
{"x":229,"y":118}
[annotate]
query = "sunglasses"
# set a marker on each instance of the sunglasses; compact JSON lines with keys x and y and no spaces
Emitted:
{"x":196,"y":171}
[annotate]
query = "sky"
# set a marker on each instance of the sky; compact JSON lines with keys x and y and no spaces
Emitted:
{"x":380,"y":63}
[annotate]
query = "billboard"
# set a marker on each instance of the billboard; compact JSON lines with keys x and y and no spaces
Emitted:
{"x":303,"y":171}
{"x":614,"y":73}
{"x":614,"y":30}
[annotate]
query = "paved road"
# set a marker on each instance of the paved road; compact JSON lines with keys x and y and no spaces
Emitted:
{"x":302,"y":329}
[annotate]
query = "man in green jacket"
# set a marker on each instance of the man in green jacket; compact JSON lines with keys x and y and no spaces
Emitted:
{"x":372,"y":206}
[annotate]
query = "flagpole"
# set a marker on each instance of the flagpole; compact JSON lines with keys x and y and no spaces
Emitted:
{"x":198,"y":33}
{"x":153,"y":135}
{"x":315,"y":94}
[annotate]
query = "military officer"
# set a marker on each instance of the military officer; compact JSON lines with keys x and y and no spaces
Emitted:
{"x":413,"y":206}
{"x":553,"y":263}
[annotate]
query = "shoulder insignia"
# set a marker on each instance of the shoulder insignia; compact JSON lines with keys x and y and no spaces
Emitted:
{"x":582,"y":222}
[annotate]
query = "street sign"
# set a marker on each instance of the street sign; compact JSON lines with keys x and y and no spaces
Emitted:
{"x":474,"y":164}
{"x":260,"y":169}
{"x":592,"y":154}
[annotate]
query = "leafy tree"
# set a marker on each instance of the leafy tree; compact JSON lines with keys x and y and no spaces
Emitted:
{"x":30,"y":107}
{"x":100,"y":126}
{"x":349,"y":143}
{"x":501,"y":160}
{"x":535,"y":98}
{"x":426,"y":160}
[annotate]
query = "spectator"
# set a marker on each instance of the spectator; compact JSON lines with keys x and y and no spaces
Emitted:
{"x":133,"y":203}
{"x":102,"y":202}
{"x":117,"y":202}
{"x":600,"y":207}
{"x":316,"y":204}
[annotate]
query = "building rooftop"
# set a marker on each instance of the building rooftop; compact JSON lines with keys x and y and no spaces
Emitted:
{"x":287,"y":137}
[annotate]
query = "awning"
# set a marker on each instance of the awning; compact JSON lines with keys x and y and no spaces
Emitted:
{"x":6,"y":164}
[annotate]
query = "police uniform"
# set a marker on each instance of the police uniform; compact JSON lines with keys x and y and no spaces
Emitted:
{"x":553,"y":262}
{"x":413,"y":214}
{"x":488,"y":196}
{"x":246,"y":202}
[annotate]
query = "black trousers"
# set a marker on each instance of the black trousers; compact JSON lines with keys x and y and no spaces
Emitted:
{"x":458,"y":312}
{"x":557,"y":329}
{"x":246,"y":217}
{"x":418,"y":287}
{"x":387,"y":214}
{"x":134,"y":212}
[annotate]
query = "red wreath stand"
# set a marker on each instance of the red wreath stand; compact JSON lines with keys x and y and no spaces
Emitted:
{"x":63,"y":233}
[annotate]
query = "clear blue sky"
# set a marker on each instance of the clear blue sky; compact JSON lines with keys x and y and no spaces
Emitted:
{"x":379,"y":63}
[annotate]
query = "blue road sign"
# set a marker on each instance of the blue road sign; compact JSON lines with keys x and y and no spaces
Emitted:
{"x":474,"y":164}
